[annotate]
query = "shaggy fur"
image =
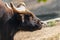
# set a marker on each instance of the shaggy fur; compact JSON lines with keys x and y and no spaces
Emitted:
{"x":11,"y":21}
{"x":5,"y":15}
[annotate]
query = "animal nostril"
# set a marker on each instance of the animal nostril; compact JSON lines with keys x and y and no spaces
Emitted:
{"x":41,"y":23}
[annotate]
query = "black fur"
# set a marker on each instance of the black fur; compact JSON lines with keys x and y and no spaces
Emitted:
{"x":14,"y":25}
{"x":10,"y":25}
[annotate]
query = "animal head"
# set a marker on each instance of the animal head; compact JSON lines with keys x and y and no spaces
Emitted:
{"x":28,"y":20}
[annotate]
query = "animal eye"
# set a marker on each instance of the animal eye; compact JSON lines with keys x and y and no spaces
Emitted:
{"x":27,"y":16}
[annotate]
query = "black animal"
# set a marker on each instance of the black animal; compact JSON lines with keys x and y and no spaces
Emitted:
{"x":5,"y":15}
{"x":14,"y":19}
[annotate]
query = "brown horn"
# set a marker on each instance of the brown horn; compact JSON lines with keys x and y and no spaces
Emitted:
{"x":21,"y":3}
{"x":17,"y":9}
{"x":22,"y":10}
{"x":12,"y":6}
{"x":6,"y":4}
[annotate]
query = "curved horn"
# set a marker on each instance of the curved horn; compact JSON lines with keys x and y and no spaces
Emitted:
{"x":12,"y":6}
{"x":20,"y":9}
{"x":21,"y":3}
{"x":6,"y":4}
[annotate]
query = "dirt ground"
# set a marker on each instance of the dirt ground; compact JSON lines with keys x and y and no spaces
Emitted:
{"x":47,"y":33}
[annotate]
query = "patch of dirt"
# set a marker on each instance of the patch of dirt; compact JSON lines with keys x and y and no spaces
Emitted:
{"x":47,"y":33}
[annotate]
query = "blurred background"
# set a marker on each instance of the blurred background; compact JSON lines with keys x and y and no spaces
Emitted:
{"x":44,"y":10}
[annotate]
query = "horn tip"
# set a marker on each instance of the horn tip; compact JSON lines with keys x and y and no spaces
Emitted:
{"x":22,"y":3}
{"x":11,"y":4}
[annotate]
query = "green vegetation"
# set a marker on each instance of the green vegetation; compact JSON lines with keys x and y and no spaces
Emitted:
{"x":41,"y":0}
{"x":51,"y":23}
